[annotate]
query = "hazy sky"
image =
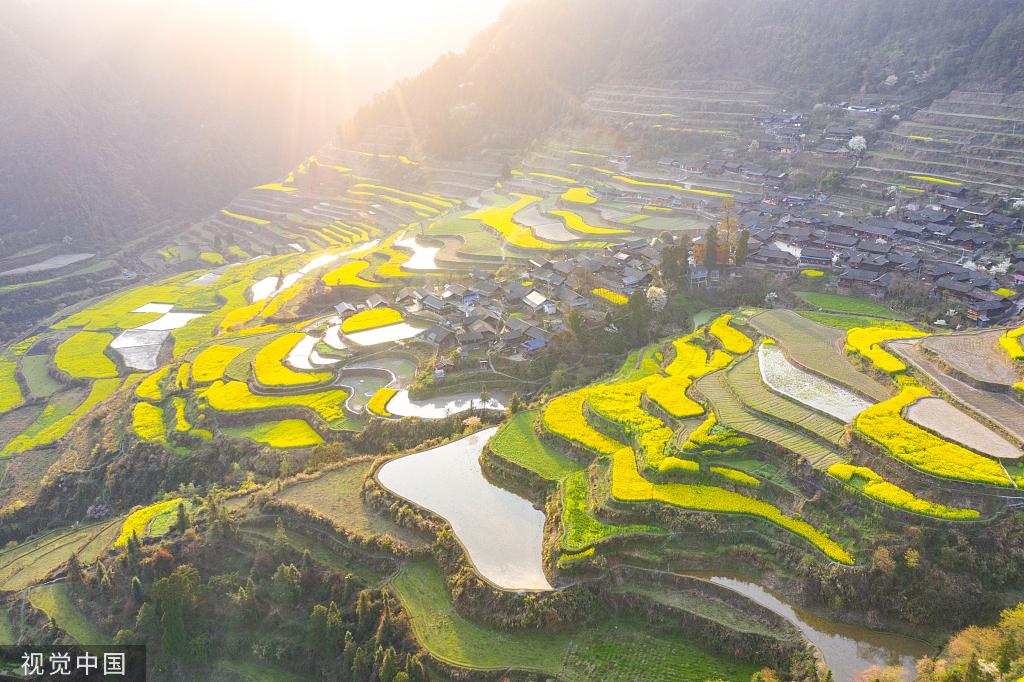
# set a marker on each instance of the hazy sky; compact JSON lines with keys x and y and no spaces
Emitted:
{"x":401,"y":36}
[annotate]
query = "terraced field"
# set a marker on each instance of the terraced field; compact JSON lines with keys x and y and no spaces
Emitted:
{"x":337,"y":495}
{"x":817,"y":348}
{"x":618,"y":650}
{"x":732,"y":413}
{"x":999,"y":407}
{"x":744,"y":379}
{"x":976,"y":356}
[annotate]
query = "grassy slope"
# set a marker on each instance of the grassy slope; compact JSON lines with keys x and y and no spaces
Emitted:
{"x":55,"y":601}
{"x":845,"y":304}
{"x":613,"y":650}
{"x":517,"y":443}
{"x":336,"y":495}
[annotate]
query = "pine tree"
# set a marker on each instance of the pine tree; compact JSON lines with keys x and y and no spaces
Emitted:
{"x":388,"y":666}
{"x":182,"y":523}
{"x":317,"y":631}
{"x":74,"y":569}
{"x":137,"y":590}
{"x":742,"y":247}
{"x":360,"y":666}
{"x":711,"y":247}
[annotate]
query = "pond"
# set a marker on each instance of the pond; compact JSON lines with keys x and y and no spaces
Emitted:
{"x":816,"y":392}
{"x":51,"y":263}
{"x":140,"y":349}
{"x":362,"y":384}
{"x":403,"y":369}
{"x":440,"y":407}
{"x":387,"y":334}
{"x":502,"y":532}
{"x":423,"y":257}
{"x":848,"y":649}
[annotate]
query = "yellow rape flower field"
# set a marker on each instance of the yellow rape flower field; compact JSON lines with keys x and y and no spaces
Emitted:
{"x":579,"y":195}
{"x":378,"y":404}
{"x":138,"y":520}
{"x":270,"y":370}
{"x":211,"y":363}
{"x":370,"y":319}
{"x":610,"y":296}
{"x":884,"y":425}
{"x":732,"y":340}
{"x":877,"y":488}
{"x":235,"y":396}
{"x":576,"y":223}
{"x":866,"y":342}
{"x":148,"y":422}
{"x":82,"y":356}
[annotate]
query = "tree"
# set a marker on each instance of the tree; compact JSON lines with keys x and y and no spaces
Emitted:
{"x":711,"y":247}
{"x":657,"y":297}
{"x":317,"y":636}
{"x":286,"y":584}
{"x":182,"y":523}
{"x":485,"y":395}
{"x":176,"y":597}
{"x":74,"y":569}
{"x":360,"y":666}
{"x":515,"y":404}
{"x":857,"y":144}
{"x":137,"y":594}
{"x":741,"y":247}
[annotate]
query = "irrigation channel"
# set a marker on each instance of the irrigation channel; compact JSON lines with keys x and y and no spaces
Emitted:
{"x":848,"y":649}
{"x":503,"y":533}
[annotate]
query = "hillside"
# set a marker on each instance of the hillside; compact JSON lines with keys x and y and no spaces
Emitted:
{"x":494,"y":95}
{"x":112,"y":125}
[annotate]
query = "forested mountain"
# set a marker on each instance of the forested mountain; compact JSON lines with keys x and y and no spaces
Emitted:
{"x":159,"y":113}
{"x":533,"y":64}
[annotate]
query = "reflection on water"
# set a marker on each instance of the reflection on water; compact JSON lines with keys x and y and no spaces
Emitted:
{"x":442,"y":406}
{"x":501,"y":531}
{"x":848,"y":649}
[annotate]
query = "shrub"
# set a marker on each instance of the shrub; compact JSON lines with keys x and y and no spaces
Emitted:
{"x":369,"y":319}
{"x":877,"y":488}
{"x":82,"y":357}
{"x":884,"y":424}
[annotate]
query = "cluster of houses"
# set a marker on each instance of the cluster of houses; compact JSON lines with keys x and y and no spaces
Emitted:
{"x":516,"y":318}
{"x":870,"y":256}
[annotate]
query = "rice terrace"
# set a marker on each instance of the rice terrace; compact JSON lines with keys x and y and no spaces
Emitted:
{"x":553,"y":362}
